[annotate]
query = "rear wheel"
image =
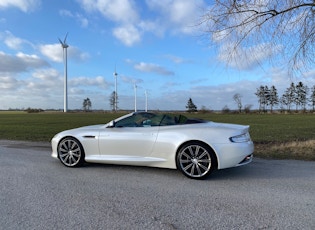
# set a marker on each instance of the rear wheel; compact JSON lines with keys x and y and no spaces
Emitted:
{"x":196,"y":160}
{"x":70,"y":152}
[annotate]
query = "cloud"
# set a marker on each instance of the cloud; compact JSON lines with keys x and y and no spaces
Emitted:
{"x":13,"y":42}
{"x":212,"y":97}
{"x":122,"y":11}
{"x":44,"y":89}
{"x":153,"y":26}
{"x":23,"y":5}
{"x":49,"y":74}
{"x":98,"y":81}
{"x":127,"y":34}
{"x":152,"y":68}
{"x":55,"y":52}
{"x":20,"y":62}
{"x":84,"y":22}
{"x":8,"y":83}
{"x":179,"y":15}
{"x":177,"y":60}
{"x":131,"y":80}
{"x":52,"y":51}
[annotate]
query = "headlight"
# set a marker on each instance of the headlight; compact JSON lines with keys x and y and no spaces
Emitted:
{"x":245,"y":137}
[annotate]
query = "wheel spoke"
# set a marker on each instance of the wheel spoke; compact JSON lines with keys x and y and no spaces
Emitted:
{"x":196,"y":151}
{"x":62,"y":148}
{"x":188,"y":166}
{"x":203,"y":167}
{"x":73,"y":145}
{"x":184,"y":161}
{"x":66,"y":158}
{"x":76,"y":149}
{"x":202,"y":155}
{"x":191,"y":151}
{"x":198,"y":170}
{"x":63,"y":155}
{"x":205,"y":161}
{"x":76,"y":154}
{"x":71,"y":160}
{"x":186,"y":155}
{"x":192,"y":169}
{"x":68,"y":144}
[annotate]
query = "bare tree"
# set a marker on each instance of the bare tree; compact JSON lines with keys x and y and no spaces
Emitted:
{"x":280,"y":26}
{"x":289,"y":94}
{"x":112,"y":100}
{"x":87,"y":104}
{"x":273,"y":98}
{"x":238,"y":100}
{"x":300,"y":99}
{"x":312,"y":98}
{"x":263,"y":94}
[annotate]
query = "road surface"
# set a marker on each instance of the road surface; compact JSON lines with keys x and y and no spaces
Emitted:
{"x":38,"y":192}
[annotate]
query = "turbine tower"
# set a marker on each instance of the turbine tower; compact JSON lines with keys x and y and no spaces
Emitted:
{"x":115,"y":75}
{"x":64,"y":46}
{"x":135,"y":86}
{"x":146,"y":100}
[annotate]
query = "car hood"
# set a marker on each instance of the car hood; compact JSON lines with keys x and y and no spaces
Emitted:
{"x":90,"y":127}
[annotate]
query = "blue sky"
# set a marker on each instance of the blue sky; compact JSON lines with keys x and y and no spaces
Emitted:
{"x":154,"y":44}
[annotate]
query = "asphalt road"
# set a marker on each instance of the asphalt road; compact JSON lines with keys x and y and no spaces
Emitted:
{"x":38,"y":192}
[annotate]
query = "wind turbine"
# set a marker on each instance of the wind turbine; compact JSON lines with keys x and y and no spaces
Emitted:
{"x":64,"y":46}
{"x":115,"y":75}
{"x":146,"y":100}
{"x":135,"y":86}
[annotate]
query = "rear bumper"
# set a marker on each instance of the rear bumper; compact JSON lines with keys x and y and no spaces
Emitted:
{"x":235,"y":154}
{"x":246,"y":160}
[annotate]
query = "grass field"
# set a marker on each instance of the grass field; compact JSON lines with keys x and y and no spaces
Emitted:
{"x":289,"y":136}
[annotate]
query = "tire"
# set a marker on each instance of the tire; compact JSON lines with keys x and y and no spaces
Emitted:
{"x":70,"y":152}
{"x":196,"y":160}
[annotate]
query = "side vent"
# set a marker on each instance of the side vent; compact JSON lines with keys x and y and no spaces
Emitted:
{"x":88,"y":136}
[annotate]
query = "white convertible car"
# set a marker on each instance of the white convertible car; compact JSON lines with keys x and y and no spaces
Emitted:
{"x":195,"y":147}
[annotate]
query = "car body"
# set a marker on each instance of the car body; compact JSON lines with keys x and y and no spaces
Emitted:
{"x":195,"y":147}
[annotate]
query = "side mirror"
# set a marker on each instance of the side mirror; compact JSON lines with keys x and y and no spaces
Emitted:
{"x":111,"y":124}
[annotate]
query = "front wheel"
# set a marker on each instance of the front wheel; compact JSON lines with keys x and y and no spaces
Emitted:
{"x":196,"y":160}
{"x":70,"y":152}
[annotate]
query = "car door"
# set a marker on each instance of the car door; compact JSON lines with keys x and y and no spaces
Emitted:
{"x":134,"y":141}
{"x":133,"y":137}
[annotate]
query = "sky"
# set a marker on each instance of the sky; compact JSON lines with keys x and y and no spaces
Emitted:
{"x":155,"y":45}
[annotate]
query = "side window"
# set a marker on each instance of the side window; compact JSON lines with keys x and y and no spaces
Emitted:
{"x":140,"y":120}
{"x":127,"y":122}
{"x":168,"y":120}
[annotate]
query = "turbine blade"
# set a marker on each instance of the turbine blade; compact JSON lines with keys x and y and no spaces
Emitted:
{"x":60,"y":41}
{"x":65,"y":38}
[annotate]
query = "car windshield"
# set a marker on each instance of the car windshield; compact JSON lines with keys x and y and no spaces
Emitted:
{"x":144,"y":119}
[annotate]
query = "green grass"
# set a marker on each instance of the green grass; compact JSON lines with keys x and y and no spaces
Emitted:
{"x":43,"y":126}
{"x":266,"y":128}
{"x":268,"y":131}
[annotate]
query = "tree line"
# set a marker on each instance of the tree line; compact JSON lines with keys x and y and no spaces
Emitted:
{"x":296,"y":96}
